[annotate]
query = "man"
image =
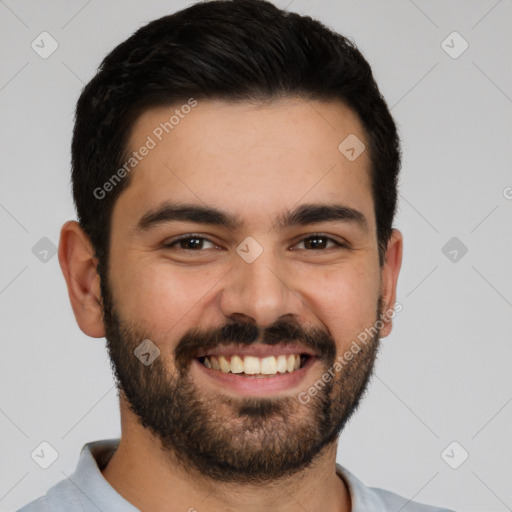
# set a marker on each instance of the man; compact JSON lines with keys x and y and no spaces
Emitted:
{"x":234,"y":174}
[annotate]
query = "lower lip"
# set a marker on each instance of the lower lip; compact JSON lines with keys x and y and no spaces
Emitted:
{"x":248,"y":385}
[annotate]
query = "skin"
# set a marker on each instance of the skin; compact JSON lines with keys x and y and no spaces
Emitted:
{"x":256,"y":161}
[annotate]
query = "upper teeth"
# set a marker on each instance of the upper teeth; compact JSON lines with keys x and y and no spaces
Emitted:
{"x":254,"y":365}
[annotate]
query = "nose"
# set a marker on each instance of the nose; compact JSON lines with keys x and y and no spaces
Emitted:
{"x":260,"y":292}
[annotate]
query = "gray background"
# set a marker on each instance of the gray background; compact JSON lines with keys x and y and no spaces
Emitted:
{"x":443,"y":374}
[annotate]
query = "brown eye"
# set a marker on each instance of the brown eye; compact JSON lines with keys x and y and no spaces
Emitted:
{"x":319,"y":242}
{"x":190,"y":243}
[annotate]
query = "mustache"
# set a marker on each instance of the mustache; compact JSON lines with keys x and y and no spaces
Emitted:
{"x":245,"y":334}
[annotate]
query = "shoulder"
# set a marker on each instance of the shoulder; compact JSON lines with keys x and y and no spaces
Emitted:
{"x":61,"y":497}
{"x":369,"y":499}
{"x":38,"y":505}
{"x":76,"y":491}
{"x":392,"y":501}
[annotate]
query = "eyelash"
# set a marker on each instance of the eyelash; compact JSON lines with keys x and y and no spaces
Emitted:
{"x":189,"y":236}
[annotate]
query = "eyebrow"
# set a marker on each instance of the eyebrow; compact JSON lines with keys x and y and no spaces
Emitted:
{"x":302,"y":215}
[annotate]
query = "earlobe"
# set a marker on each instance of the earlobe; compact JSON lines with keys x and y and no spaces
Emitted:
{"x":389,"y":278}
{"x":78,"y":264}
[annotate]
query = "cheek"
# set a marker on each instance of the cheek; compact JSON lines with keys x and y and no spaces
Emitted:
{"x":164,"y":301}
{"x":346,"y":301}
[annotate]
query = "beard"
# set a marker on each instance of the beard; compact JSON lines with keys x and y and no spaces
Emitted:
{"x":247,"y":440}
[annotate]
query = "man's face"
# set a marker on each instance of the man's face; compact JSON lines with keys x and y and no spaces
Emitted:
{"x":262,"y":289}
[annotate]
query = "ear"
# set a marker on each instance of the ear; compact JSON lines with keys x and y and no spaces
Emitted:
{"x":78,"y":264}
{"x":389,"y":278}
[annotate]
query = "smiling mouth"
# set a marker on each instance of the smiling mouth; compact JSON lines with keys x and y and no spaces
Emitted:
{"x":255,"y":366}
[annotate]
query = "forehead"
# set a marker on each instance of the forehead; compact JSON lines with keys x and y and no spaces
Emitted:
{"x":249,"y":159}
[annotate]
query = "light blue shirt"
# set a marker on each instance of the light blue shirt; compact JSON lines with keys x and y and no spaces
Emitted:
{"x":86,"y":490}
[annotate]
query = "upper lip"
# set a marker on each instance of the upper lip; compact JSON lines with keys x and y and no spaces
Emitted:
{"x":256,"y":350}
